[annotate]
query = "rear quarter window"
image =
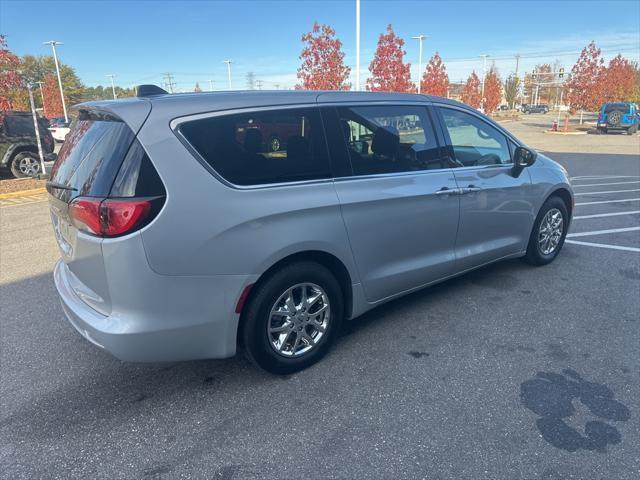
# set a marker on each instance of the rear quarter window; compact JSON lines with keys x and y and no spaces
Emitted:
{"x":264,"y":147}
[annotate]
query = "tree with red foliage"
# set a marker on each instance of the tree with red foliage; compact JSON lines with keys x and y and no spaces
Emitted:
{"x":388,"y":72}
{"x":471,"y":93}
{"x":435,"y":80}
{"x":9,"y":76}
{"x":323,"y":65}
{"x":585,"y":84}
{"x":619,"y":80}
{"x":492,"y":90}
{"x":52,"y":102}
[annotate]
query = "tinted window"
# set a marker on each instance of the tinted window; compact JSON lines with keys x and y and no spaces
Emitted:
{"x":387,"y":139}
{"x":624,"y":107}
{"x":17,"y":125}
{"x":474,"y":141}
{"x":91,"y":156}
{"x":262,"y":147}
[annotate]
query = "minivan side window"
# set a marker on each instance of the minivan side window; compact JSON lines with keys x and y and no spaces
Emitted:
{"x":474,"y":141}
{"x":262,"y":147}
{"x":389,"y":139}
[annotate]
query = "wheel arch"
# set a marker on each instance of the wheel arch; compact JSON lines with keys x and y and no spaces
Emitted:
{"x":16,"y":149}
{"x":565,"y":196}
{"x":328,"y":260}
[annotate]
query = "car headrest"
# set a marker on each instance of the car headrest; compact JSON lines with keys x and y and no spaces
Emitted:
{"x":386,"y":141}
{"x":253,"y":140}
{"x":297,"y":147}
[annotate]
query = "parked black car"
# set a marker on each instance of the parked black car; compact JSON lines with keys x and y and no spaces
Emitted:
{"x":18,"y":144}
{"x":535,"y":108}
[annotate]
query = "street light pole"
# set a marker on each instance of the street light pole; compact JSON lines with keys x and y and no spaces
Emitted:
{"x":228,"y":62}
{"x":357,"y":45}
{"x":53,"y":44}
{"x":420,"y":38}
{"x":36,"y":127}
{"x":113,"y":87}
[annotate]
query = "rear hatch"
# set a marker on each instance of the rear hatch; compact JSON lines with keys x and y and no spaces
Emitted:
{"x":102,"y":185}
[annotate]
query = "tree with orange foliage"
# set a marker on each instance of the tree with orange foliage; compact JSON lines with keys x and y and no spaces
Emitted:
{"x":52,"y":102}
{"x":492,"y":90}
{"x":585,"y":84}
{"x":388,"y":72}
{"x":323,"y":65}
{"x":9,"y":76}
{"x":435,"y":80}
{"x":471,"y":93}
{"x":619,"y":80}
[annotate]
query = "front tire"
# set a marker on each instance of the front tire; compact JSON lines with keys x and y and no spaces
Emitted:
{"x":25,"y":164}
{"x":548,"y":233}
{"x":293,"y":318}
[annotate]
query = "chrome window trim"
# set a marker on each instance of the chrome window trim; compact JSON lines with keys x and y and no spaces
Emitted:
{"x":175,"y":124}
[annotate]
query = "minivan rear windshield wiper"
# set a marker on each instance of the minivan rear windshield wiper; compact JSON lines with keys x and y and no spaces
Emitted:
{"x":61,"y":187}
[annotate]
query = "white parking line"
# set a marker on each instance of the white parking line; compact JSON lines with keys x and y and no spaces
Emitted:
{"x":603,"y":232}
{"x":607,"y":191}
{"x":613,"y":214}
{"x":603,"y":245}
{"x":602,"y":184}
{"x":603,"y":177}
{"x":609,"y":201}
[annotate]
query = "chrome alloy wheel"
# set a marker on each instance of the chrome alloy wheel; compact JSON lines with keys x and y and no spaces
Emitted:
{"x":299,"y":319}
{"x":28,"y":166}
{"x":550,"y":231}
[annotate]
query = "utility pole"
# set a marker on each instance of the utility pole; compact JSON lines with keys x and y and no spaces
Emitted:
{"x":168,"y":77}
{"x":53,"y":44}
{"x":357,"y":45}
{"x":41,"y":95}
{"x":251,"y":80}
{"x":228,"y":62}
{"x":259,"y":84}
{"x":484,"y":74}
{"x":420,"y":38}
{"x":210,"y":85}
{"x":113,"y":87}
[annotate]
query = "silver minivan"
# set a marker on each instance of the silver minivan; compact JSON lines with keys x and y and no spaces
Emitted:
{"x":192,"y":224}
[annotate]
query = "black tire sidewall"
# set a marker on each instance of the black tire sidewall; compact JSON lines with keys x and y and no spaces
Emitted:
{"x":15,"y":169}
{"x":256,"y":316}
{"x":534,"y":256}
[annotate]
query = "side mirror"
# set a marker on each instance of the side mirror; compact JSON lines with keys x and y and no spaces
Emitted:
{"x":523,"y":157}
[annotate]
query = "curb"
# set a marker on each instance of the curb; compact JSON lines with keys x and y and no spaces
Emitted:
{"x":551,"y":132}
{"x":22,"y":193}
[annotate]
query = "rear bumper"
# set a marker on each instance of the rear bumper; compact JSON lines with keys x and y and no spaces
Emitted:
{"x":160,"y":328}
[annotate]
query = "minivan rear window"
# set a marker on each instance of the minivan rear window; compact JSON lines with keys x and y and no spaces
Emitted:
{"x":263,"y":147}
{"x":91,"y":155}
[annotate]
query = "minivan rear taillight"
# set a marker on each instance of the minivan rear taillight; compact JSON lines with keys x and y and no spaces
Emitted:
{"x":112,"y":217}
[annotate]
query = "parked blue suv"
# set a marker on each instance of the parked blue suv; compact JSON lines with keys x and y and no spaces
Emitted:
{"x":619,"y":116}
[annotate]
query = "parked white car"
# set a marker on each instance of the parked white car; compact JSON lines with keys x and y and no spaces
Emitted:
{"x":59,"y":131}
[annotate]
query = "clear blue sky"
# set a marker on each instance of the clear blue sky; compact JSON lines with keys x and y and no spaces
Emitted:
{"x":139,"y":40}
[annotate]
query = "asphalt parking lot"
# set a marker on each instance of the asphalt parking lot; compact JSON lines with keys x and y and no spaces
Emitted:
{"x":510,"y":372}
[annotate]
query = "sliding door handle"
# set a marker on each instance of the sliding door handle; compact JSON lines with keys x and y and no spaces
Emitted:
{"x":470,"y":189}
{"x":446,"y":191}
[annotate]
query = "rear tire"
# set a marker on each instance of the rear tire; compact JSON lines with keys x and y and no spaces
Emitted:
{"x":25,"y":164}
{"x":632,"y":130}
{"x":282,"y":343}
{"x":548,"y":233}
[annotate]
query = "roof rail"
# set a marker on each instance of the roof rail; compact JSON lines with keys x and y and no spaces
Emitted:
{"x":149,"y":91}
